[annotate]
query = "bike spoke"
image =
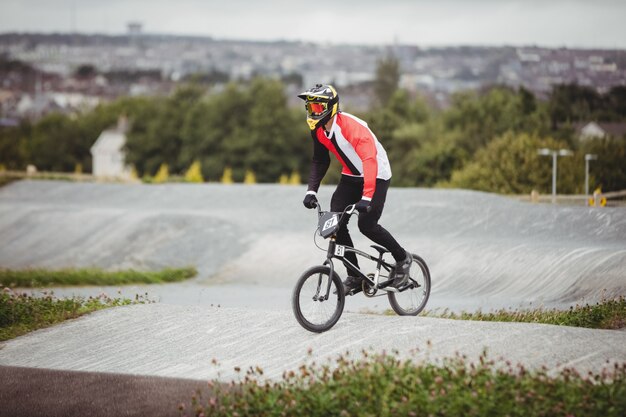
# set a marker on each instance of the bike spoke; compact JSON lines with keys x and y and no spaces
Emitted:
{"x":412,"y":299}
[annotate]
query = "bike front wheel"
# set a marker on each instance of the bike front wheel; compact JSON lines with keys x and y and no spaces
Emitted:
{"x":318,"y":299}
{"x":413,"y":296}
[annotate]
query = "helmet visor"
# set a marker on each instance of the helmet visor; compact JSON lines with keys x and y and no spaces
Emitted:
{"x":316,"y":109}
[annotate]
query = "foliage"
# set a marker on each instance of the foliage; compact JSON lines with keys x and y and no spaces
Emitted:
{"x":387,"y":78}
{"x":480,"y":117}
{"x":194,"y":173}
{"x":609,"y":170}
{"x":250,"y":178}
{"x":22,"y":313}
{"x":384,"y":385}
{"x":511,"y":164}
{"x":90,"y":276}
{"x":574,"y":103}
{"x":162,"y":174}
{"x":606,"y":314}
{"x":227,"y":176}
{"x":294,"y":178}
{"x":250,"y":127}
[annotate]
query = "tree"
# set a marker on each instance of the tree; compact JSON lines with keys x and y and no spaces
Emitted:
{"x":570,"y":103}
{"x":227,"y":177}
{"x":249,"y":178}
{"x":609,"y":170}
{"x":387,"y":79}
{"x":274,"y":145}
{"x":480,"y":117}
{"x":162,"y":174}
{"x":511,"y":164}
{"x":13,"y":149}
{"x":55,"y":144}
{"x":214,"y":131}
{"x":194,"y":173}
{"x":615,"y":102}
{"x":295,"y":178}
{"x":86,"y":71}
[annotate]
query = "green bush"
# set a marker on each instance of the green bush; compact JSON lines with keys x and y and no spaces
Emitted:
{"x":382,"y":385}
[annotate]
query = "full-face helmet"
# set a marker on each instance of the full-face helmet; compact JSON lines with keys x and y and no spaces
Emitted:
{"x":321,"y":103}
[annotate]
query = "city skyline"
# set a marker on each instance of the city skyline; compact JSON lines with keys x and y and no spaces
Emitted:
{"x":572,"y":24}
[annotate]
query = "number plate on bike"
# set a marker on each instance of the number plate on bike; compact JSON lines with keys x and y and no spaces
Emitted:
{"x":328,"y":223}
{"x":340,"y":250}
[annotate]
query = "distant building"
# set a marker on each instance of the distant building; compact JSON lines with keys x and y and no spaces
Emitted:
{"x":37,"y":106}
{"x":598,"y":130}
{"x":108,"y":152}
{"x":135,"y":28}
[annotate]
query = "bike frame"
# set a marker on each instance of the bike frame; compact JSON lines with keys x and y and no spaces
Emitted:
{"x":336,"y":251}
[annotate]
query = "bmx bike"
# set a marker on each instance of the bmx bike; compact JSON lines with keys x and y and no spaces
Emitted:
{"x":318,"y":298}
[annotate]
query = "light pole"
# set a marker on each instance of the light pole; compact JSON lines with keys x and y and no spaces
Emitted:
{"x":588,"y":157}
{"x":554,"y":153}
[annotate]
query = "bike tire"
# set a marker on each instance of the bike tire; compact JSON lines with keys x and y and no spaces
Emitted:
{"x":418,"y":297}
{"x":305,"y":315}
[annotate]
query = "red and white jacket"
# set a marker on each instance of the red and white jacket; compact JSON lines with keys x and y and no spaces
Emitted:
{"x":357,"y":149}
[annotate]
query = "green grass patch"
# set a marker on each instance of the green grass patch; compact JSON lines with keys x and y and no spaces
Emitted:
{"x":29,"y":278}
{"x":21,"y":313}
{"x":606,"y":314}
{"x":382,"y":385}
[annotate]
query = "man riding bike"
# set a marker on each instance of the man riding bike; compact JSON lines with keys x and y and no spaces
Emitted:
{"x":365,"y":176}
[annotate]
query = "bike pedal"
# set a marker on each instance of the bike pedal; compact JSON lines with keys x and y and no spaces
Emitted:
{"x":354,"y":291}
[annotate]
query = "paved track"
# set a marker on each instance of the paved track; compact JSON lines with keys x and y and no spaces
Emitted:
{"x":28,"y":392}
{"x":182,"y":342}
{"x":484,"y":251}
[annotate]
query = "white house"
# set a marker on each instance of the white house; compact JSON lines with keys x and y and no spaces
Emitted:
{"x":108,"y":152}
{"x":593,"y":130}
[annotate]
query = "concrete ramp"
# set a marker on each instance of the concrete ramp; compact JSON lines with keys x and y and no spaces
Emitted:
{"x":484,"y":251}
{"x":176,"y":341}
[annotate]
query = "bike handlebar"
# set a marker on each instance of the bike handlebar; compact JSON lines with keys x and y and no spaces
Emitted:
{"x":349,"y":210}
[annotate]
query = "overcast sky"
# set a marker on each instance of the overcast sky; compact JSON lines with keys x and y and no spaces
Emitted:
{"x":555,"y":23}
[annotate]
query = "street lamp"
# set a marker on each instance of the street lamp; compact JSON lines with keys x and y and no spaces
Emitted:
{"x":554,"y":153}
{"x":588,"y":157}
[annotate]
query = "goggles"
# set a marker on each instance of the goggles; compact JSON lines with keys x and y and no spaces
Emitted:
{"x":316,"y":109}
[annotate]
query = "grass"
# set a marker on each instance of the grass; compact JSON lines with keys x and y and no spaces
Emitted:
{"x":606,"y":314}
{"x":382,"y":385}
{"x":21,"y":313}
{"x":91,"y":276}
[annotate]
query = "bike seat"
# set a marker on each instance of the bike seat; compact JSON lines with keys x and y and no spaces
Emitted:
{"x":380,"y":249}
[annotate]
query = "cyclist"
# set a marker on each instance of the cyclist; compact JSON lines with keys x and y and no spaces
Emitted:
{"x":364,"y":179}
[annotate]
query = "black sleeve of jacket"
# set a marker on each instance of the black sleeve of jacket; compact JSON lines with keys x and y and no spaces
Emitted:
{"x":319,"y":163}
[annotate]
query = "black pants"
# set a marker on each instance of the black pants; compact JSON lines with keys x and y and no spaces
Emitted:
{"x":349,"y":191}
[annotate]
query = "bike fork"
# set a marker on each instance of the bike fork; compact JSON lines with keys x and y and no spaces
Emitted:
{"x":317,"y":296}
{"x":330,"y":277}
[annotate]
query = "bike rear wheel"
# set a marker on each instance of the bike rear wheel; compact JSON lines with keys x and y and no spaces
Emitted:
{"x":312,"y":310}
{"x":412,"y":298}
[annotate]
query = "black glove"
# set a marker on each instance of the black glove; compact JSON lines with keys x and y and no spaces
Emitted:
{"x":363,"y":206}
{"x":310,"y":201}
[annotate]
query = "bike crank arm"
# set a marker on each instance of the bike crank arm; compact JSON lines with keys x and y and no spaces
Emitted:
{"x":408,"y":285}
